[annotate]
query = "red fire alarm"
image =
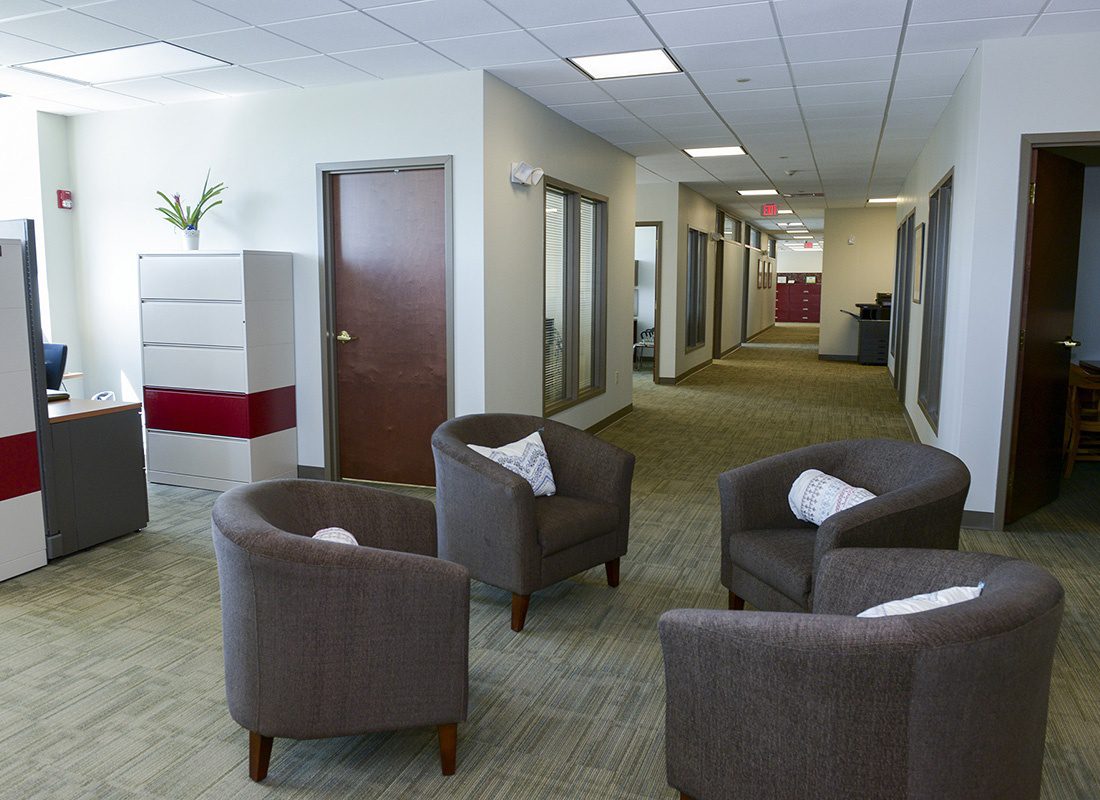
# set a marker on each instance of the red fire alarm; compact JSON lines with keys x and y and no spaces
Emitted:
{"x":64,"y":199}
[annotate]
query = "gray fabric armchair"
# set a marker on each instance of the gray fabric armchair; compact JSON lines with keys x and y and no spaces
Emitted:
{"x":948,"y":704}
{"x":327,"y":639}
{"x":491,"y":522}
{"x":769,"y":557}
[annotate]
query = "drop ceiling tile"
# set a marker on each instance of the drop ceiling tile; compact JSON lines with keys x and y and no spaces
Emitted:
{"x":776,"y":76}
{"x":70,"y":30}
{"x":444,"y":19}
{"x":847,"y":70}
{"x":622,"y":128}
{"x":753,"y":99}
{"x":939,"y":63}
{"x":561,"y":93}
{"x":102,"y":100}
{"x":312,"y":71}
{"x":813,"y":16}
{"x":493,"y":49}
{"x":583,"y":112}
{"x":1072,"y":5}
{"x":925,"y":86}
{"x":160,"y":90}
{"x":262,"y":12}
{"x":52,"y":106}
{"x":335,"y":33}
{"x":758,"y":52}
{"x":956,"y":35}
{"x":539,"y":73}
{"x":753,"y":116}
{"x":921,"y":106}
{"x":18,"y":8}
{"x":18,"y":82}
{"x":596,"y":38}
{"x":657,"y":6}
{"x":711,"y":135}
{"x":846,"y":123}
{"x":659,"y":106}
{"x":1070,"y":22}
{"x":535,"y":13}
{"x":399,"y":61}
{"x":864,"y":92}
{"x":688,"y":132}
{"x":246,"y":46}
{"x":650,"y":86}
{"x":830,"y":110}
{"x":367,"y":4}
{"x":231,"y":80}
{"x":729,"y":23}
{"x":17,"y":50}
{"x":842,"y":44}
{"x":163,"y":19}
{"x":643,"y":175}
{"x":947,"y":10}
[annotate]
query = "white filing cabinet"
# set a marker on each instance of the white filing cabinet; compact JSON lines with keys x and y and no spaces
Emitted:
{"x":218,"y":360}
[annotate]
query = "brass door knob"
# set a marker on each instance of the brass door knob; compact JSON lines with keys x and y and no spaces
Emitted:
{"x":1068,"y":342}
{"x":344,"y":337}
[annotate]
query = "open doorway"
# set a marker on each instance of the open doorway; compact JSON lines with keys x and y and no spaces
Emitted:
{"x":1059,"y":332}
{"x":647,"y":276}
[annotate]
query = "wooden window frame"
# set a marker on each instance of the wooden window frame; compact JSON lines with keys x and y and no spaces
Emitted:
{"x":571,"y":289}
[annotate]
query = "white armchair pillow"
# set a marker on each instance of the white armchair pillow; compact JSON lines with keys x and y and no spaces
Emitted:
{"x":815,"y":496}
{"x":925,"y":602}
{"x":527,"y":458}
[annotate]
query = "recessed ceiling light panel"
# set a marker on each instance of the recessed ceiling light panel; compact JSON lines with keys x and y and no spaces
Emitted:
{"x":709,"y":152}
{"x":124,"y":63}
{"x":785,"y":211}
{"x":883,"y":200}
{"x":626,"y":65}
{"x":757,"y":192}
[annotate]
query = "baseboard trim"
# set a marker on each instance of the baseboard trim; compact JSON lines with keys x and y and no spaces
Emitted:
{"x":685,"y":375}
{"x":828,"y":357}
{"x":980,"y":520}
{"x":760,"y":332}
{"x":731,"y":350}
{"x":312,"y":473}
{"x":611,"y":419}
{"x":909,"y":423}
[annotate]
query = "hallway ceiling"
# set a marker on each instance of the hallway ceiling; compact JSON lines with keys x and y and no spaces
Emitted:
{"x":832,"y":97}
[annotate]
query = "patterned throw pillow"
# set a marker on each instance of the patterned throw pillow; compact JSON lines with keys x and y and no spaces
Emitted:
{"x":527,"y":458}
{"x":335,"y":535}
{"x":815,"y":496}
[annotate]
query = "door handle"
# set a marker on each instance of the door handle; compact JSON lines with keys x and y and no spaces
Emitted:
{"x":1068,"y":343}
{"x":344,"y":337}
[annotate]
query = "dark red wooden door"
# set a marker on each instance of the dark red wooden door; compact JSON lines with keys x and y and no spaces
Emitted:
{"x":389,"y":262}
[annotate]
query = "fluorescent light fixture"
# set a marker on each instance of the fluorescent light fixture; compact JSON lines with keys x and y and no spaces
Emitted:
{"x":785,"y":211}
{"x":626,"y":65}
{"x":124,"y":63}
{"x":708,"y":152}
{"x":802,"y":236}
{"x":757,"y":192}
{"x":883,"y":200}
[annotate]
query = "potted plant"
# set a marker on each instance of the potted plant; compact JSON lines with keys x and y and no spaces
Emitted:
{"x":187,"y":218}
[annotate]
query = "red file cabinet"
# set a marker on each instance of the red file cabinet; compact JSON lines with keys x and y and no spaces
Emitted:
{"x":799,"y":299}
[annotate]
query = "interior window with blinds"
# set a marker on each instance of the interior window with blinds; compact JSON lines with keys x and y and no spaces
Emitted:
{"x":574,"y":340}
{"x":696,"y":311}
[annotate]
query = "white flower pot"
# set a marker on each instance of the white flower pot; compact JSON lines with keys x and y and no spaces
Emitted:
{"x":191,"y":239}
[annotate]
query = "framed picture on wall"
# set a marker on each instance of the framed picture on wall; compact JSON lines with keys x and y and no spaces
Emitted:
{"x":918,"y":262}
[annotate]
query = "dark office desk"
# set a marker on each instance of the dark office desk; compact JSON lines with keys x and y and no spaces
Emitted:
{"x":95,"y":480}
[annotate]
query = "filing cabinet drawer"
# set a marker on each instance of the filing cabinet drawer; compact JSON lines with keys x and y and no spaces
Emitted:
{"x":202,"y":368}
{"x":189,"y":278}
{"x":196,"y":454}
{"x":168,"y":322}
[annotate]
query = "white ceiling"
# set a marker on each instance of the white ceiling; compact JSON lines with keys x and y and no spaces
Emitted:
{"x":827,"y":96}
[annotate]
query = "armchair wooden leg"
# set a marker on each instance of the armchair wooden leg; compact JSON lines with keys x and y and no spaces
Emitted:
{"x":685,"y":796}
{"x":519,"y":610}
{"x":612,"y":568}
{"x":736,"y":603}
{"x":259,"y":755}
{"x":448,"y":747}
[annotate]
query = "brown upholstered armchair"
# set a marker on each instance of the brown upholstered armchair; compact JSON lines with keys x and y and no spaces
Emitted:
{"x":491,"y":522}
{"x":947,"y":704}
{"x":326,"y":639}
{"x":769,"y":557}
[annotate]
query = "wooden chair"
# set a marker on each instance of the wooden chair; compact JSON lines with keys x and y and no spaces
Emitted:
{"x":1082,"y":418}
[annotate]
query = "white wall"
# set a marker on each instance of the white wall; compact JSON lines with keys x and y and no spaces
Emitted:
{"x":761,"y":303}
{"x":645,"y":253}
{"x":853,"y":273}
{"x":1013,"y":87}
{"x":266,"y":148}
{"x":519,"y":129}
{"x":1086,"y":319}
{"x":788,"y":260}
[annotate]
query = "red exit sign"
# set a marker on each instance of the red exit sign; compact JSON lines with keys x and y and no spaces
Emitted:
{"x":769,"y":210}
{"x":807,"y":245}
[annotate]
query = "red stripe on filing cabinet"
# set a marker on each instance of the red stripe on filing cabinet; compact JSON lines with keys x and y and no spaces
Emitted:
{"x":19,"y":473}
{"x":243,"y":416}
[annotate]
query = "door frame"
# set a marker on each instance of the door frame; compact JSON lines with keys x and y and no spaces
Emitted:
{"x":326,"y":278}
{"x":656,"y":293}
{"x":903,"y":301}
{"x":1028,"y":142}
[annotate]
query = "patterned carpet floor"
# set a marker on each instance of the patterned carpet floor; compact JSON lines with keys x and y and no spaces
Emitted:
{"x":111,"y":669}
